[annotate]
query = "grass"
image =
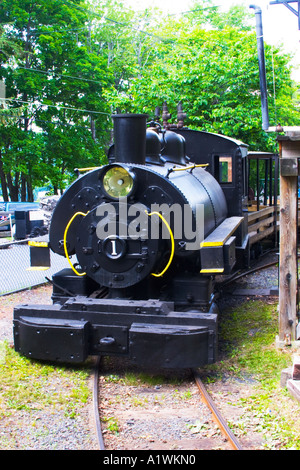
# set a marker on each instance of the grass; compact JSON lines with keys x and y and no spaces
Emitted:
{"x":138,"y":378}
{"x":27,"y":387}
{"x":248,"y":335}
{"x":27,"y":384}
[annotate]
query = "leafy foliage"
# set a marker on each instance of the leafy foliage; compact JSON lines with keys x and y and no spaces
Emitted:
{"x":214,"y":73}
{"x":67,"y":65}
{"x":54,"y":79}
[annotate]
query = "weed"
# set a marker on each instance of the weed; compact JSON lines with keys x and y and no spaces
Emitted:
{"x":186,"y":395}
{"x":137,"y":401}
{"x":197,"y":427}
{"x":112,"y":424}
{"x":113,"y":378}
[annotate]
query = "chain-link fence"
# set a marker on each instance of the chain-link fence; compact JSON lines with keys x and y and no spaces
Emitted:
{"x":15,"y":271}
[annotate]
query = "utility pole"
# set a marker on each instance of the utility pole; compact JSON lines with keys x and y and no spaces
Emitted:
{"x":289,"y":155}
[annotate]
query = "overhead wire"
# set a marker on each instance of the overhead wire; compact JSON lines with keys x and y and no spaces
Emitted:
{"x":47,"y":31}
{"x":111,"y":20}
{"x":215,"y":7}
{"x":274,"y":87}
{"x":60,"y":74}
{"x":37,"y":120}
{"x":63,"y":31}
{"x":31,"y":69}
{"x":57,"y":106}
{"x":81,"y":78}
{"x":88,"y":11}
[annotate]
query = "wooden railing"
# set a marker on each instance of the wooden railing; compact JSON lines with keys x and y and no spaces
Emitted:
{"x":263,"y":223}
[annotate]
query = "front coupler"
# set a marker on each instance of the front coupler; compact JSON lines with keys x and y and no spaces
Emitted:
{"x":150,"y":332}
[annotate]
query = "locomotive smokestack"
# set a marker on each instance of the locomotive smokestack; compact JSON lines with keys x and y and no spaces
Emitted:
{"x":262,"y":67}
{"x":130,"y":138}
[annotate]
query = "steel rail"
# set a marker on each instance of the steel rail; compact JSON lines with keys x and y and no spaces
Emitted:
{"x":96,"y":404}
{"x":216,"y":414}
{"x":235,"y":277}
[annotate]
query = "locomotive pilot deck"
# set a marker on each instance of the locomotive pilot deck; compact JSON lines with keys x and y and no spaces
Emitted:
{"x":148,"y":332}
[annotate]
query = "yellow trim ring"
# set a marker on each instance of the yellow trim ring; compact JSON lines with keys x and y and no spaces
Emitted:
{"x":149,"y":214}
{"x":65,"y":242}
{"x":172,"y":243}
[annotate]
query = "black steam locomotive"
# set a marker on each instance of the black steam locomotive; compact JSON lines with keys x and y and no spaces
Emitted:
{"x":150,"y":231}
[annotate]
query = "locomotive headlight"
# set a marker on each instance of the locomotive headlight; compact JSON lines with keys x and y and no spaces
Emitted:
{"x":118,"y":182}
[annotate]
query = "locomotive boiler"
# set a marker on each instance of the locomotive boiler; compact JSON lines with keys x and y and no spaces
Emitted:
{"x":144,"y":236}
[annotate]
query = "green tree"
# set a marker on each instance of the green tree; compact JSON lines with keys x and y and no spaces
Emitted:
{"x":128,"y":41}
{"x":214,"y":73}
{"x":206,"y":13}
{"x":69,"y":64}
{"x":60,"y":82}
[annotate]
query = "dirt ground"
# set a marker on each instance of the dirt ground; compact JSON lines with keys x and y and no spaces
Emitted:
{"x":168,"y":414}
{"x":37,"y":295}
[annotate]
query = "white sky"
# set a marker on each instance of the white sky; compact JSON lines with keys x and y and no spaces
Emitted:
{"x":280,"y":25}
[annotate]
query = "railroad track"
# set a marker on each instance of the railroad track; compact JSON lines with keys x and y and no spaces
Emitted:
{"x":96,"y":404}
{"x":205,"y":397}
{"x":226,"y":431}
{"x":217,"y":417}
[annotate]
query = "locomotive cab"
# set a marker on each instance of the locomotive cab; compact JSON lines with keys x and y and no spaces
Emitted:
{"x":227,"y":162}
